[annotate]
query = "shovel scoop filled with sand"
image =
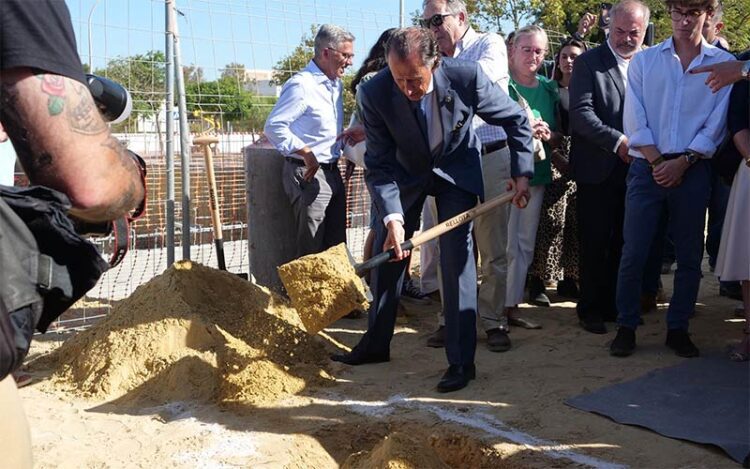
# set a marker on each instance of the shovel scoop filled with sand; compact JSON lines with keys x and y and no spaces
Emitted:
{"x":325,"y":287}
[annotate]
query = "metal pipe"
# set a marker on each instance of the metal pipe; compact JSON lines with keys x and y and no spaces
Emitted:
{"x":401,"y":17}
{"x":169,"y":128}
{"x":91,"y":13}
{"x":184,"y":139}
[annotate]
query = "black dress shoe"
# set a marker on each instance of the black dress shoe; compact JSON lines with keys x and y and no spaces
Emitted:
{"x":456,"y":377}
{"x":679,"y":341}
{"x":437,"y":338}
{"x":498,"y":340}
{"x":356,"y":357}
{"x":595,"y":326}
{"x":567,"y":288}
{"x":624,"y":343}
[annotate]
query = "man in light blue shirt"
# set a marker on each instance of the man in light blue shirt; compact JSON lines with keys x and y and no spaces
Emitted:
{"x":303,"y":127}
{"x":674,"y":124}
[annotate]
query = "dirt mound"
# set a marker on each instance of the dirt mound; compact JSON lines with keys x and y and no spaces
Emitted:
{"x":397,"y":451}
{"x":412,"y":446}
{"x":193,"y":333}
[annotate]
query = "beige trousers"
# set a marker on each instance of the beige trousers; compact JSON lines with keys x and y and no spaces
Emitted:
{"x":15,"y":440}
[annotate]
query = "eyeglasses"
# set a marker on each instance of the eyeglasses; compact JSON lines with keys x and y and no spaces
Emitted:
{"x":529,"y":50}
{"x":343,"y":54}
{"x":691,"y":15}
{"x":434,"y":21}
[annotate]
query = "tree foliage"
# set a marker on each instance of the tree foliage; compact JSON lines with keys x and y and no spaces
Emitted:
{"x":563,"y":16}
{"x":144,"y":77}
{"x":234,"y":71}
{"x":297,"y":59}
{"x":228,"y":102}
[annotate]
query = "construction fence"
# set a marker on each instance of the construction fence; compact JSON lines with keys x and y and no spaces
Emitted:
{"x":234,"y":56}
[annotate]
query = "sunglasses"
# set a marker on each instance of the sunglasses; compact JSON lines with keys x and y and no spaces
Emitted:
{"x":434,"y":21}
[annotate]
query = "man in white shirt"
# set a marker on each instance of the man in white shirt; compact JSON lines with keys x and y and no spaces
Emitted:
{"x":674,"y":124}
{"x":303,"y":127}
{"x":456,"y":38}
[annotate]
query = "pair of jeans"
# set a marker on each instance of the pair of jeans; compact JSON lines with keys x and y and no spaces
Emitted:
{"x":686,"y":206}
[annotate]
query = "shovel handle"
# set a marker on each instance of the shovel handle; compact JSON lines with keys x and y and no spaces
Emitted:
{"x":435,"y":231}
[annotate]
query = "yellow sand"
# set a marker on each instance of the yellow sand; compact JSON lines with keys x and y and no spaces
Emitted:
{"x":193,"y":333}
{"x":397,"y":451}
{"x":323,"y":287}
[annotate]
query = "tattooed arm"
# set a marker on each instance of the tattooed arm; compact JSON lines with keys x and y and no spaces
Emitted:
{"x":63,"y":143}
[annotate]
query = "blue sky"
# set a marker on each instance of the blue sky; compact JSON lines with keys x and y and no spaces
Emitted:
{"x":256,"y":33}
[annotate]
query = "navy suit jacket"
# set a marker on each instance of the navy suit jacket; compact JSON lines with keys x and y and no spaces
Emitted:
{"x":399,"y":162}
{"x":597,"y":95}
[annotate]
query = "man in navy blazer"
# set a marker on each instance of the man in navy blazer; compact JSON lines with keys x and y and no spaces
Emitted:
{"x":417,"y":115}
{"x":599,"y":157}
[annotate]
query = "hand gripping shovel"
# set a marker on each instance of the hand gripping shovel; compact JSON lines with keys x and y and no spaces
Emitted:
{"x":326,"y":286}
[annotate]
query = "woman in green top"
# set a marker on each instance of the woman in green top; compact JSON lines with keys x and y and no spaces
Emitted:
{"x":556,"y":252}
{"x":539,"y":95}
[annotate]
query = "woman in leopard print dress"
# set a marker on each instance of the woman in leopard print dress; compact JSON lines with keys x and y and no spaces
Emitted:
{"x":556,"y":249}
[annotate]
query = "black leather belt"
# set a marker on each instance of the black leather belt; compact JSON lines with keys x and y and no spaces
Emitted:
{"x":298,"y":162}
{"x":494,"y":146}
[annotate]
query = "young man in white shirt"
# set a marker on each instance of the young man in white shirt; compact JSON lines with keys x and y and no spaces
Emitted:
{"x":674,"y":124}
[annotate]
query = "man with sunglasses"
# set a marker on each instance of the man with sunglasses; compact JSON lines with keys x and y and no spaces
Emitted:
{"x":303,"y":127}
{"x":674,"y":124}
{"x":449,"y":21}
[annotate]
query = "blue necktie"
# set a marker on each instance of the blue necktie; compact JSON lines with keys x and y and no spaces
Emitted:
{"x":421,"y":117}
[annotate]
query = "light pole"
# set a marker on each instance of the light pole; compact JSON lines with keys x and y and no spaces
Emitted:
{"x":400,"y":16}
{"x":91,"y":13}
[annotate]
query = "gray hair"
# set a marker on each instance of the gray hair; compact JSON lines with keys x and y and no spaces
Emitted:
{"x":528,"y":31}
{"x":330,"y":35}
{"x":718,"y":14}
{"x":453,"y":6}
{"x":630,"y":5}
{"x":406,"y":41}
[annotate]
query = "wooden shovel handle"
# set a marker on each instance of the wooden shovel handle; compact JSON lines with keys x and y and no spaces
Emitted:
{"x":436,"y":231}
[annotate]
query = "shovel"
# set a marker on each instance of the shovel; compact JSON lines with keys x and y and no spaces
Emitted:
{"x":205,"y":141}
{"x":326,"y":286}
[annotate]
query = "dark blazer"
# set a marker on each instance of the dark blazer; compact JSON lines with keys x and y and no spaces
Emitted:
{"x":399,"y":162}
{"x":597,"y":95}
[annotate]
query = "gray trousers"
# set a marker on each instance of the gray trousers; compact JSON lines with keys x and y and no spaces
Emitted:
{"x":491,"y":234}
{"x":319,"y":207}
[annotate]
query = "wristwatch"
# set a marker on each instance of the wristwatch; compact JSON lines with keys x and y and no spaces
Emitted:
{"x":691,"y":157}
{"x":745,"y":72}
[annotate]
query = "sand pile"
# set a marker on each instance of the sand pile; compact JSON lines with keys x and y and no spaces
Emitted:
{"x":323,"y":287}
{"x":397,"y":451}
{"x":193,"y":333}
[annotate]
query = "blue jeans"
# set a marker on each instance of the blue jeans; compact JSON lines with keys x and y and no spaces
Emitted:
{"x":686,"y":205}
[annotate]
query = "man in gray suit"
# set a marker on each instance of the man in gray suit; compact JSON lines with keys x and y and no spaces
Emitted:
{"x":599,"y":159}
{"x":417,"y":116}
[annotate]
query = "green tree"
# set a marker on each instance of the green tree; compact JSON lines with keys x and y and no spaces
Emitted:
{"x":234,"y":71}
{"x":490,"y":14}
{"x":229,"y":103}
{"x":144,"y":77}
{"x":192,"y":73}
{"x":297,"y":59}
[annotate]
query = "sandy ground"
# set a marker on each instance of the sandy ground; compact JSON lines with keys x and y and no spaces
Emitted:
{"x":513,"y":415}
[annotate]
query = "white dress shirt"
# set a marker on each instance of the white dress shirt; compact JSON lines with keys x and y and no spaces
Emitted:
{"x":309,"y":112}
{"x":671,"y":108}
{"x":487,"y":49}
{"x":622,"y":66}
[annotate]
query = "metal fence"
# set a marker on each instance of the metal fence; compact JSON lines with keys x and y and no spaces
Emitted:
{"x":234,"y":55}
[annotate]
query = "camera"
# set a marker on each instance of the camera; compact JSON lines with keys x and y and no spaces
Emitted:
{"x":604,"y":15}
